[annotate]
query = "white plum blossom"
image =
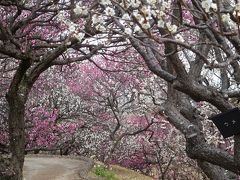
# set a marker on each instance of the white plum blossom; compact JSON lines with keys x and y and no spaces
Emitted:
{"x":158,"y":14}
{"x":126,"y":17}
{"x":145,"y":25}
{"x":227,"y":19}
{"x":171,"y":27}
{"x":165,"y":5}
{"x":237,"y":7}
{"x":97,"y":19}
{"x":72,"y":27}
{"x":236,"y":12}
{"x":100,"y":27}
{"x":109,"y":11}
{"x":179,"y":38}
{"x":160,"y":23}
{"x":81,"y":10}
{"x":138,"y":16}
{"x":68,"y":43}
{"x":135,"y":3}
{"x":106,"y":2}
{"x":151,"y":2}
{"x":137,"y":29}
{"x":128,"y":31}
{"x":146,"y":10}
{"x":79,"y":36}
{"x":61,"y":16}
{"x":214,"y":6}
{"x":206,"y":4}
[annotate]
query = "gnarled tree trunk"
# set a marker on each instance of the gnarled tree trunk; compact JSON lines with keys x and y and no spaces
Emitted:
{"x":17,"y":97}
{"x":16,"y":132}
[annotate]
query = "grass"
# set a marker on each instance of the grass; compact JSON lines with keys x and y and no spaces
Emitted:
{"x":105,"y":173}
{"x":116,"y":173}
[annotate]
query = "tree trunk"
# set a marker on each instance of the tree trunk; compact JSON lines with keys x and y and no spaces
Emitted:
{"x":16,"y":125}
{"x":109,"y":155}
{"x":6,"y":169}
{"x":215,"y":172}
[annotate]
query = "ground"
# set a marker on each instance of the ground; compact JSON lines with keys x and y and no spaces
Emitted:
{"x":59,"y":168}
{"x":121,"y":174}
{"x":54,"y":168}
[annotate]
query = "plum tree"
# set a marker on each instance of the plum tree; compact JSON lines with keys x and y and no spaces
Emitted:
{"x":32,"y":40}
{"x":184,"y":42}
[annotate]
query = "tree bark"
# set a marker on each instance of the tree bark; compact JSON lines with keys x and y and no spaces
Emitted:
{"x":6,"y":168}
{"x":109,"y":155}
{"x":16,"y":98}
{"x":215,"y":172}
{"x":16,"y":133}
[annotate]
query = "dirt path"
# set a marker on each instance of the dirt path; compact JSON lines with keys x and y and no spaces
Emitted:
{"x":53,"y":168}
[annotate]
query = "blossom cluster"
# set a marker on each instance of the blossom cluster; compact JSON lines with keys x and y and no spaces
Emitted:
{"x":136,"y":16}
{"x":46,"y":132}
{"x":72,"y":28}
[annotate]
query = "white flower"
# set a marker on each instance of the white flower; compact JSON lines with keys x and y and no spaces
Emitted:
{"x":61,"y":16}
{"x":100,"y":27}
{"x":128,"y":31}
{"x":237,"y":7}
{"x":227,"y":19}
{"x":135,"y":3}
{"x":151,"y":2}
{"x":165,"y":5}
{"x":158,"y":13}
{"x":160,"y":23}
{"x":79,"y":36}
{"x":145,"y":10}
{"x":214,"y":6}
{"x":236,"y":14}
{"x":137,"y":29}
{"x":68,"y":43}
{"x":171,"y":27}
{"x":126,"y":17}
{"x":179,"y":38}
{"x":109,"y":11}
{"x":81,"y":10}
{"x":72,"y":27}
{"x":206,"y":4}
{"x":138,"y":16}
{"x":105,"y":2}
{"x":97,"y":19}
{"x":146,"y":25}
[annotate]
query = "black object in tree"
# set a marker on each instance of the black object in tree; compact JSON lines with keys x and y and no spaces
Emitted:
{"x":228,"y":123}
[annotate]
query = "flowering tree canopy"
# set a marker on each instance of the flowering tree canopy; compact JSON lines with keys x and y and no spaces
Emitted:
{"x":192,"y":45}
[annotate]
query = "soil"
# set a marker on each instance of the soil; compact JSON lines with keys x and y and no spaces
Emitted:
{"x":54,"y":168}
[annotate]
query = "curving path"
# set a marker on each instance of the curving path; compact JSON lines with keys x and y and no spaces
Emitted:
{"x":54,"y":168}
